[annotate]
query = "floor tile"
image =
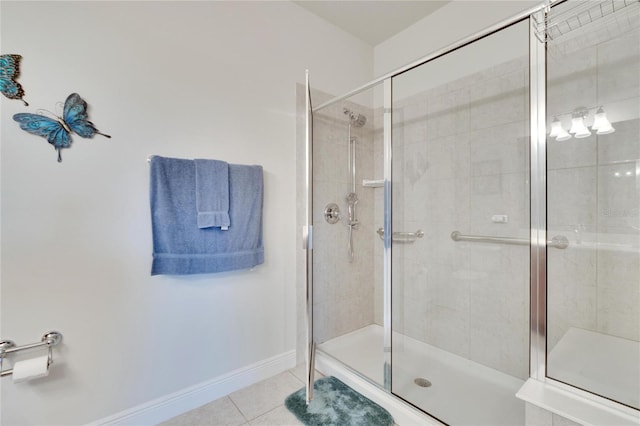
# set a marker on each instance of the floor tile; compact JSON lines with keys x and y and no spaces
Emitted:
{"x":264,"y":396}
{"x":300,"y":371}
{"x":217,"y":413}
{"x":279,"y":416}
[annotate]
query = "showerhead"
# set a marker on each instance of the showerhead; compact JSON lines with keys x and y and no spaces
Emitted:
{"x":357,"y":120}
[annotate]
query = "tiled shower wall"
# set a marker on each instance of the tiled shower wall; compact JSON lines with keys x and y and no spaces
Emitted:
{"x":461,"y":156}
{"x":594,"y":188}
{"x":343,"y":290}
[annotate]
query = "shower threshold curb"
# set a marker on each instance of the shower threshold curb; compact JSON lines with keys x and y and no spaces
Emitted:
{"x":402,"y":413}
{"x":572,"y":406}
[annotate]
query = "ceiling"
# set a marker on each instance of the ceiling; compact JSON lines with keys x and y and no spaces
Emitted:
{"x":372,"y":21}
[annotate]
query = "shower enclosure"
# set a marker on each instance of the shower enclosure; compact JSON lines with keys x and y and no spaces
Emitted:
{"x":496,"y":246}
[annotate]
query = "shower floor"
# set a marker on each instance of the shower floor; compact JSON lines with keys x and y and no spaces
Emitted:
{"x":462,"y":392}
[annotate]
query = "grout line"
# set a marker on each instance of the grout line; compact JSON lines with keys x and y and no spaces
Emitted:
{"x":246,"y":421}
{"x":295,"y":377}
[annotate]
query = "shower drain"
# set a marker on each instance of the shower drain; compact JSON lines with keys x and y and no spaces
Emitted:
{"x":424,"y":383}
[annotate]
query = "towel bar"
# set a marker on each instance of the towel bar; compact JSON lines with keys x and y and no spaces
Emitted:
{"x":7,"y":347}
{"x":402,"y":237}
{"x":558,"y":241}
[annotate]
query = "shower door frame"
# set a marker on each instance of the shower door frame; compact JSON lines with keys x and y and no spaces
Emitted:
{"x":538,"y":244}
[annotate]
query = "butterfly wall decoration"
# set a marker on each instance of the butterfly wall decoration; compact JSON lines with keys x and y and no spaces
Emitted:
{"x":58,"y":130}
{"x":9,"y":71}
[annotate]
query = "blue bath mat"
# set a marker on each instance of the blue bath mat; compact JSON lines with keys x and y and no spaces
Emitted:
{"x":335,"y":403}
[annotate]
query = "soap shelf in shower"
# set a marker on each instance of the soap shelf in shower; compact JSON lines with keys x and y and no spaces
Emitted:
{"x":373,"y":183}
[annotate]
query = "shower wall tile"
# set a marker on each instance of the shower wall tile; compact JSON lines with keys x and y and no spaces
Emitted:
{"x":448,"y":329}
{"x":437,"y":247}
{"x":623,"y":145}
{"x":343,"y":290}
{"x":572,"y":153}
{"x":571,"y":197}
{"x":500,"y":194}
{"x":619,"y":69}
{"x":447,"y":157}
{"x":490,"y":348}
{"x":571,"y":304}
{"x":447,"y":112}
{"x":619,"y":198}
{"x":448,"y":289}
{"x":571,"y":82}
{"x":498,"y":101}
{"x":619,"y":269}
{"x":498,"y":150}
{"x":618,"y":312}
{"x":571,"y":293}
{"x":444,"y":202}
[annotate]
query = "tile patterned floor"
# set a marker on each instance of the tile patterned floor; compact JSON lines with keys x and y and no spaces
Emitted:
{"x":259,"y":404}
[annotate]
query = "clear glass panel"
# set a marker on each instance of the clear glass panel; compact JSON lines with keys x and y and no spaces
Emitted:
{"x":347,"y":255}
{"x":593,"y":198}
{"x":460,"y":163}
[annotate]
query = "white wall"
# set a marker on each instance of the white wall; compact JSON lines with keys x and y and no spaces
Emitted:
{"x":196,"y":79}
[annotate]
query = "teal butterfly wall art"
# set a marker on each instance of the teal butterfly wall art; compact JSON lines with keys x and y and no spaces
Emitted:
{"x":58,"y":130}
{"x":9,"y":71}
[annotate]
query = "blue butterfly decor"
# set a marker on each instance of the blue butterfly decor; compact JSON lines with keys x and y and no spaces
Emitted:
{"x":9,"y":71}
{"x":58,"y":130}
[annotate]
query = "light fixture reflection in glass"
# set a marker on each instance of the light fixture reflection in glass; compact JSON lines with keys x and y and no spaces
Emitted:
{"x":557,"y":131}
{"x":601,"y":123}
{"x":556,"y":128}
{"x":578,"y":128}
{"x":563,"y":136}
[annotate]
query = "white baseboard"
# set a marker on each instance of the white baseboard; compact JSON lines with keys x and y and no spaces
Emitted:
{"x":166,"y":407}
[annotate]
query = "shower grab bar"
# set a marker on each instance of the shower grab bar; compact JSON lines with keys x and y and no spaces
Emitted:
{"x":7,"y":347}
{"x":402,"y":237}
{"x":558,"y":241}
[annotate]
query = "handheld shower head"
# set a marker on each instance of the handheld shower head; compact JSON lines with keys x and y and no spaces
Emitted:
{"x":357,"y":120}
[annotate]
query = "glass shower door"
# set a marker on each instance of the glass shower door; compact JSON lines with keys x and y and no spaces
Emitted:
{"x":347,"y":250}
{"x":593,"y":197}
{"x":460,"y":240}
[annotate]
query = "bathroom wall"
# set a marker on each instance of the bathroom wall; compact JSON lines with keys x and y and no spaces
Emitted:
{"x":185,"y":79}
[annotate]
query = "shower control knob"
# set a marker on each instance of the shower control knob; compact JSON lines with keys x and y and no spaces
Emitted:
{"x":332,"y":213}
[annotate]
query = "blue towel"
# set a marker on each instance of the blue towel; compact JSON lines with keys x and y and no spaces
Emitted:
{"x":212,"y":193}
{"x":179,"y":246}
